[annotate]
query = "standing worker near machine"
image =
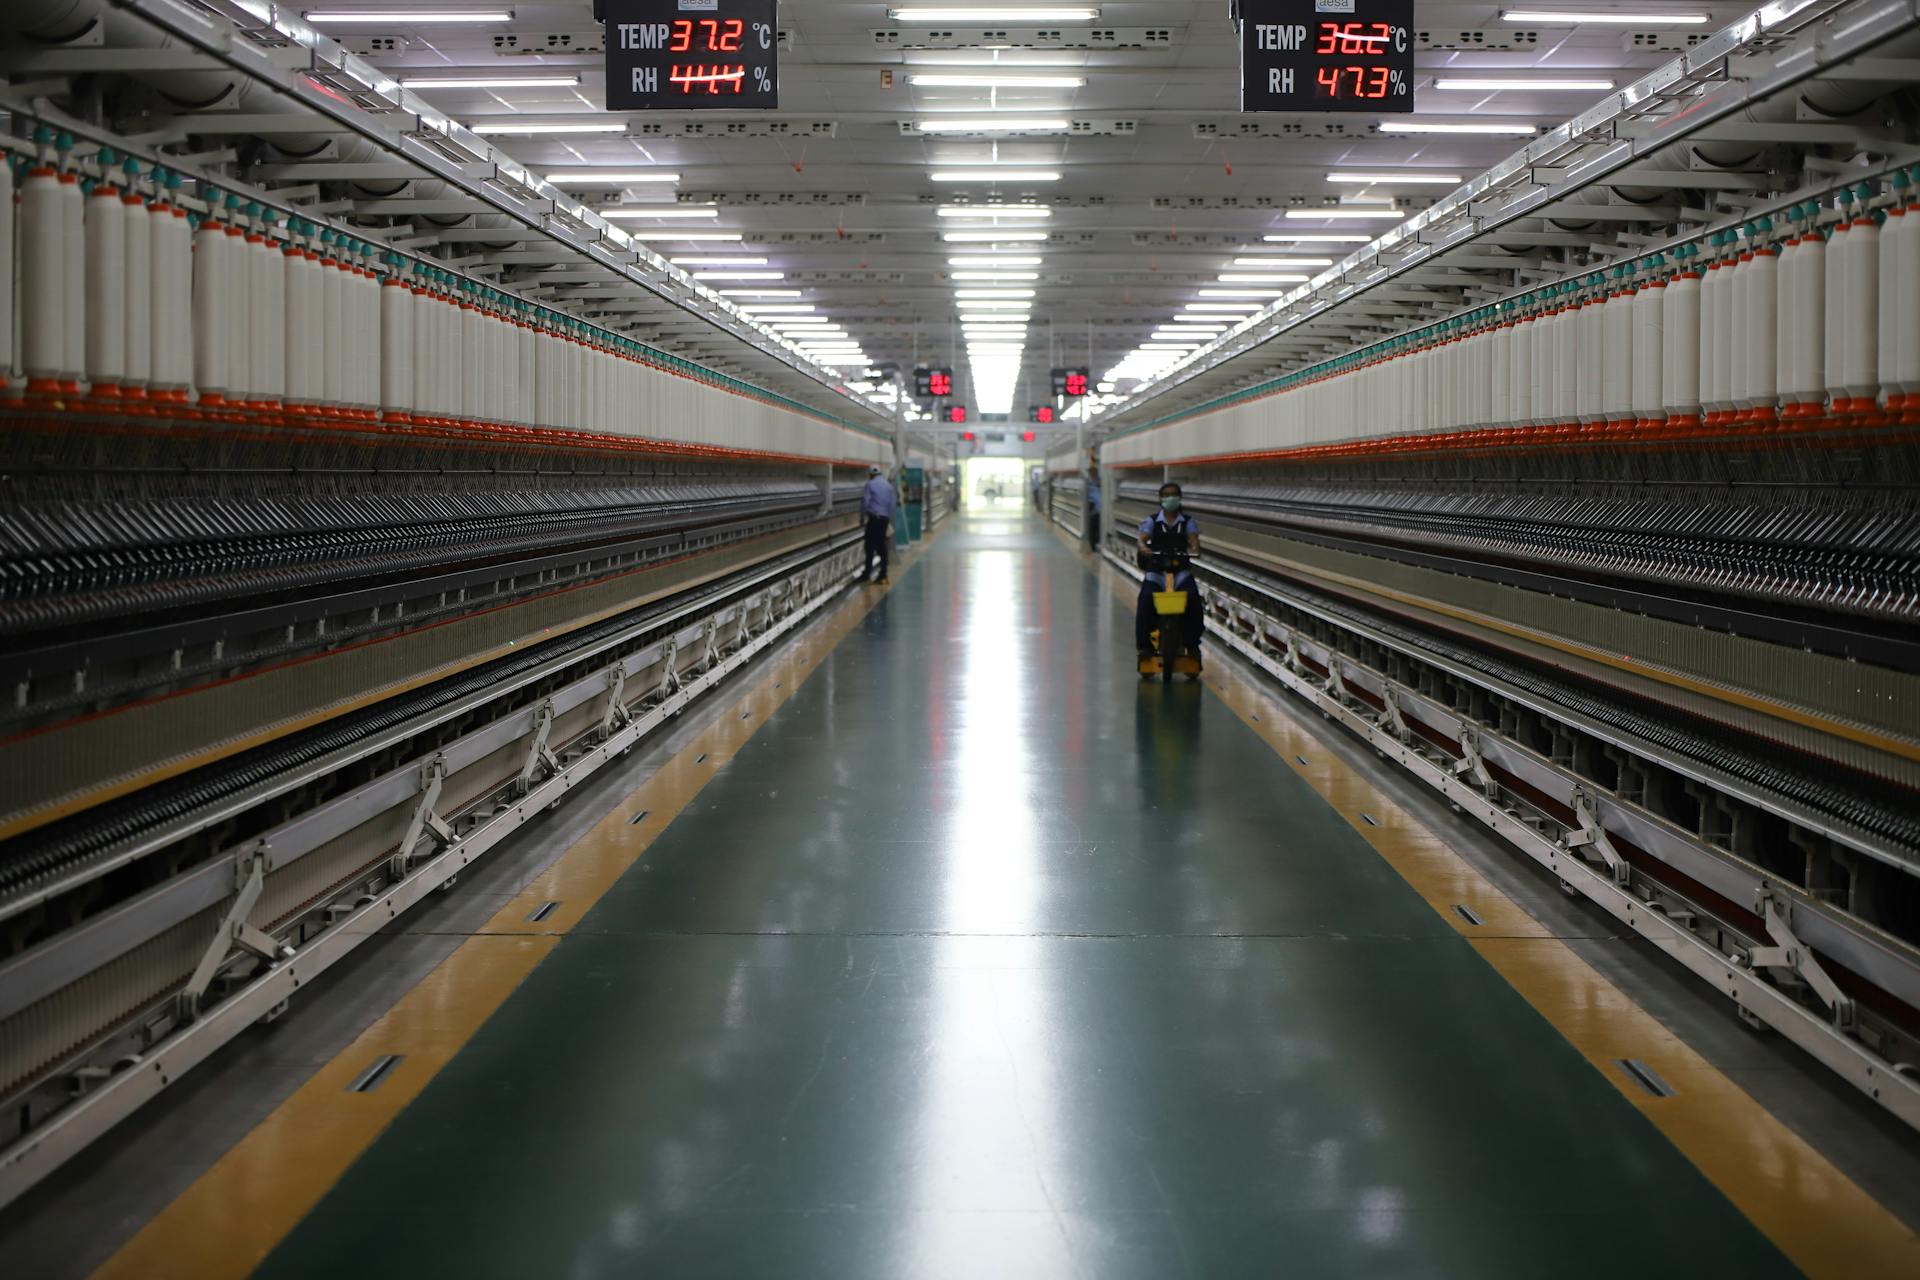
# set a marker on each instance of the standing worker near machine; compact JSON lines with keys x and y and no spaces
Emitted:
{"x":876,"y":504}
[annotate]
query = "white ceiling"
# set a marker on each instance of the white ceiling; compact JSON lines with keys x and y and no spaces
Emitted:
{"x":1163,"y":183}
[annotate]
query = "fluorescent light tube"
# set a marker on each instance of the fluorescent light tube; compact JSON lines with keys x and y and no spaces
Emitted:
{"x":776,"y":308}
{"x":1576,"y":16}
{"x":975,"y":294}
{"x":1247,"y":278}
{"x":619,"y":211}
{"x":995,"y":175}
{"x":1243,"y":293}
{"x":528,"y":130}
{"x":739,"y":275}
{"x":995,"y":15}
{"x":990,"y":276}
{"x":1317,"y":237}
{"x":683,"y":235}
{"x":1276,"y":263}
{"x":1224,"y":306}
{"x":761,"y":293}
{"x":992,"y":237}
{"x":1495,"y":85}
{"x":719,"y":262}
{"x":1421,"y":126}
{"x":609,"y":177}
{"x":1019,"y":212}
{"x":490,"y":82}
{"x":987,"y":258}
{"x":1410,"y":179}
{"x":1002,"y":124}
{"x":950,"y":80}
{"x":409,"y":17}
{"x":1344,"y":212}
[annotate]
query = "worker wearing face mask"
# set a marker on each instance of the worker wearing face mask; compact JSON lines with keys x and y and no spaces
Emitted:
{"x":1167,"y":542}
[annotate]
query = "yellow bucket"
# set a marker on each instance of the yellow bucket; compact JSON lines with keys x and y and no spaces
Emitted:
{"x":1170,"y":602}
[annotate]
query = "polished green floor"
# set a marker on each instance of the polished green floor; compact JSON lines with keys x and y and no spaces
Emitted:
{"x":984,"y":960}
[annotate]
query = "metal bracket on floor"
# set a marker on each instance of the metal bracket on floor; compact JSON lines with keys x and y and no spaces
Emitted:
{"x":1591,"y":835}
{"x":670,"y":668}
{"x":426,"y":820}
{"x":1472,"y":764}
{"x":616,"y":713}
{"x":538,"y":753}
{"x":1793,"y":955}
{"x":235,"y":934}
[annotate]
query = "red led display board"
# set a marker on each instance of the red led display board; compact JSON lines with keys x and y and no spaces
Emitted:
{"x":954,"y":413}
{"x":1041,"y":413}
{"x":1071,"y":383}
{"x":1326,"y":55}
{"x":932,"y":384}
{"x":690,"y":55}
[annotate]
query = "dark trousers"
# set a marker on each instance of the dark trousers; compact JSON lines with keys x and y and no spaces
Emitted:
{"x":1145,"y":620}
{"x":879,"y":542}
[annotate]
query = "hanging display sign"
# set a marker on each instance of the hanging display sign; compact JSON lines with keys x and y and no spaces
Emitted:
{"x":692,"y":55}
{"x":1326,"y":55}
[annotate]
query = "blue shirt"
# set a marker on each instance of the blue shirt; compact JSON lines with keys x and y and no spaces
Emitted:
{"x":1093,"y":496}
{"x":877,"y":498}
{"x":1182,"y":523}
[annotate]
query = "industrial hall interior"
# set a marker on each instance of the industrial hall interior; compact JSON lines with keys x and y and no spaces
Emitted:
{"x":843,"y":640}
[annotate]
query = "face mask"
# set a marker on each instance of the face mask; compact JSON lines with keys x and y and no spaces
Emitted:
{"x":1169,"y":504}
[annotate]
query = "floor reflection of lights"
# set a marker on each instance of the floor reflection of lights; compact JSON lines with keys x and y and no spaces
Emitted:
{"x":974,"y":1152}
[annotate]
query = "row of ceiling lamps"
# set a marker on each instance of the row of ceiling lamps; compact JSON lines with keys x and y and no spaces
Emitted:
{"x":996,"y":14}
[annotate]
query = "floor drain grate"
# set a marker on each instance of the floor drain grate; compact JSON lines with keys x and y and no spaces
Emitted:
{"x":1645,"y":1076}
{"x":376,"y":1075}
{"x":546,"y":909}
{"x":638,"y":818}
{"x":1368,"y":819}
{"x":1466,"y":913}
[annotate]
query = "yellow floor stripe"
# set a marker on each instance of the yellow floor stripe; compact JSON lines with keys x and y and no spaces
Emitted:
{"x":1811,"y":1211}
{"x":233,"y":1215}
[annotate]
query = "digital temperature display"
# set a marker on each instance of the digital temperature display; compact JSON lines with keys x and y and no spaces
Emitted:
{"x":1326,"y":55}
{"x":691,"y":55}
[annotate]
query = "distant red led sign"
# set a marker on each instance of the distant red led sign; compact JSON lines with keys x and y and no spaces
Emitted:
{"x":932,"y":384}
{"x":966,"y":435}
{"x":1028,"y":436}
{"x":1071,"y":383}
{"x":956,"y":413}
{"x":1041,"y":413}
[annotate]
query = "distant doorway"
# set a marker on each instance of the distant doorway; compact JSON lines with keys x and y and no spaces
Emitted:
{"x":993,"y":484}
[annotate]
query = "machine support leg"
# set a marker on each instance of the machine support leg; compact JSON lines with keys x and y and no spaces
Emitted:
{"x":426,"y":820}
{"x":539,"y":755}
{"x":1591,"y":835}
{"x":1471,"y":764}
{"x":615,"y":715}
{"x":1793,"y":955}
{"x":235,"y":934}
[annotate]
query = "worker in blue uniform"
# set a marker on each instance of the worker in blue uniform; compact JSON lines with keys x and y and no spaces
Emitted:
{"x":1169,"y":532}
{"x":876,"y":504}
